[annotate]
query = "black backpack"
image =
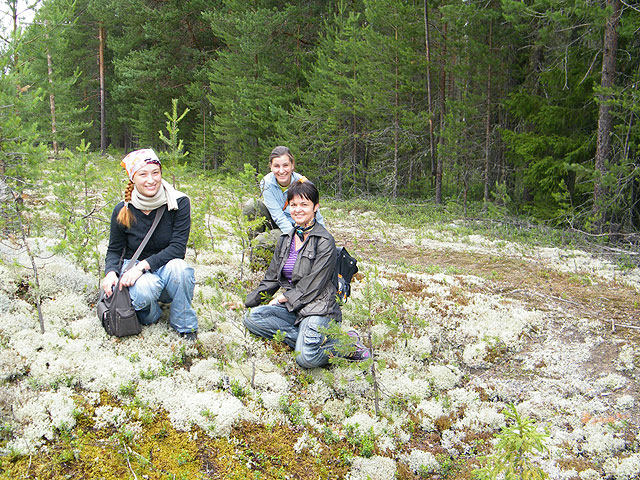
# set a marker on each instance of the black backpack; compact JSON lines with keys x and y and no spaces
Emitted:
{"x":346,"y":268}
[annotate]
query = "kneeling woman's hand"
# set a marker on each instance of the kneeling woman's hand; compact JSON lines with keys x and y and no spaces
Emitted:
{"x":108,"y":282}
{"x":130,"y":277}
{"x":278,"y":300}
{"x":133,"y":274}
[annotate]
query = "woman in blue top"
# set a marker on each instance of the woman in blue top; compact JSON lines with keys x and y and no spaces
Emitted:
{"x":160,"y":274}
{"x":274,"y":206}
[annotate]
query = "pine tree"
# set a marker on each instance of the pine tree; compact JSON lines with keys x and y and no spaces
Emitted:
{"x":257,"y":75}
{"x":63,"y":115}
{"x":395,"y":75}
{"x":329,"y":124}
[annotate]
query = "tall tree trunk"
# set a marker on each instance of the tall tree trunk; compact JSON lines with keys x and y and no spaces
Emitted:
{"x":465,"y":183}
{"x":103,"y":124}
{"x":443,"y":94}
{"x":13,"y":11}
{"x":629,"y":153}
{"x":365,"y":170}
{"x":204,"y":137}
{"x":354,"y":148}
{"x":634,"y":211}
{"x":340,"y":173}
{"x":605,"y":119}
{"x":396,"y":125}
{"x":52,"y":99}
{"x":432,"y":146}
{"x":487,"y":142}
{"x":354,"y":134}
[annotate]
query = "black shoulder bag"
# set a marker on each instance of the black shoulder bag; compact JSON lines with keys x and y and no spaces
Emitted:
{"x":116,"y":313}
{"x":346,"y":268}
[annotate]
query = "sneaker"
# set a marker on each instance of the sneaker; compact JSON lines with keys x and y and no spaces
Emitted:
{"x":355,"y":335}
{"x":361,"y":352}
{"x":189,"y":336}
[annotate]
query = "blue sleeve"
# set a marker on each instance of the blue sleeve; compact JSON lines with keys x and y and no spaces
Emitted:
{"x":274,"y":201}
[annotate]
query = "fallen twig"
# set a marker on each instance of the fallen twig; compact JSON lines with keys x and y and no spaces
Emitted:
{"x":126,"y":454}
{"x":614,"y":325}
{"x":518,"y":290}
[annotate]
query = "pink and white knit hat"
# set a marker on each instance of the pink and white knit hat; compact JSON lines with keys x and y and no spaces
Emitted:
{"x":134,"y":161}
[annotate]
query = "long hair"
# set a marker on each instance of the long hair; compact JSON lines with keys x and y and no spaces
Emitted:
{"x":125,"y":217}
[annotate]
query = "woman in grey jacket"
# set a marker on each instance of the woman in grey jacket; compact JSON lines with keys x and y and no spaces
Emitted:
{"x":303,"y":266}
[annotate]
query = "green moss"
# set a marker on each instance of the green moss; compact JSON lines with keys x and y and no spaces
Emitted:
{"x":160,"y":451}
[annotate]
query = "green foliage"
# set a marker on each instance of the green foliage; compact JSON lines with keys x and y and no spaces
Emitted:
{"x":365,"y":443}
{"x":280,"y":336}
{"x":328,"y":121}
{"x":516,"y":444}
{"x":344,"y":84}
{"x":76,"y":183}
{"x":173,"y":141}
{"x":447,"y":469}
{"x":238,"y":390}
{"x":293,"y":409}
{"x":330,"y":437}
{"x":51,"y":65}
{"x":375,"y":307}
{"x":127,"y":389}
{"x":204,"y":234}
{"x":242,"y":187}
{"x":252,"y":80}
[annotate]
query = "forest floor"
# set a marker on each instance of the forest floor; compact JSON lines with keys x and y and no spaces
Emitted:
{"x":583,"y":301}
{"x":462,"y":325}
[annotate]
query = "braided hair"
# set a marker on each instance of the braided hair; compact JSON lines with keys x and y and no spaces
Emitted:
{"x":125,"y":217}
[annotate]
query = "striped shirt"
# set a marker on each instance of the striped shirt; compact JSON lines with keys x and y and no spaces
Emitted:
{"x":287,"y":270}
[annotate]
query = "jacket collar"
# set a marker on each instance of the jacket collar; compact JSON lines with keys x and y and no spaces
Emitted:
{"x":318,"y":231}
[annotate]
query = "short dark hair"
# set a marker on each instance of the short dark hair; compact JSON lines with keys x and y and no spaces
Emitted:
{"x":305,"y":189}
{"x":279,"y":151}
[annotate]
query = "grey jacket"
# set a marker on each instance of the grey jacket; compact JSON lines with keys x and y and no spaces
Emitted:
{"x":312,"y":290}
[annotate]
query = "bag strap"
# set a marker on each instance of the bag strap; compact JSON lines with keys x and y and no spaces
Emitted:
{"x":116,"y":289}
{"x":156,"y":220}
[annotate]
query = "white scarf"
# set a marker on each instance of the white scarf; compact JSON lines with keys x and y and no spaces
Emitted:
{"x":167,"y":194}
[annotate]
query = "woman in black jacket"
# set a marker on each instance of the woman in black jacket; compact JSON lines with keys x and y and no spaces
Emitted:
{"x":303,"y":266}
{"x":161,"y":274}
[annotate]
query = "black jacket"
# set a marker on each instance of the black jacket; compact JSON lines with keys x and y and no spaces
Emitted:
{"x":312,"y":290}
{"x":168,"y":241}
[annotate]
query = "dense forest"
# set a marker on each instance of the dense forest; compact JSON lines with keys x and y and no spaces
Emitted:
{"x":529,"y":105}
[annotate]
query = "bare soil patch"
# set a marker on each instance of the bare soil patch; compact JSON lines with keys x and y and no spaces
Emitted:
{"x":539,"y":287}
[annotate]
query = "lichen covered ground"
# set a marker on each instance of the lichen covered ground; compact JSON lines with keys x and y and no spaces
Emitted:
{"x":462,"y":325}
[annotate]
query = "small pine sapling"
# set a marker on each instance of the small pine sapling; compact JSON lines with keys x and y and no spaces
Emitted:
{"x":35,"y":285}
{"x":79,"y":214}
{"x":516,"y":444}
{"x":20,"y":171}
{"x":176,"y":151}
{"x":242,"y":226}
{"x":204,"y":233}
{"x":375,"y":306}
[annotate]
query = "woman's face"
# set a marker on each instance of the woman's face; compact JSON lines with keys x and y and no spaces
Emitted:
{"x":148,"y":180}
{"x":282,"y":168}
{"x":302,"y":210}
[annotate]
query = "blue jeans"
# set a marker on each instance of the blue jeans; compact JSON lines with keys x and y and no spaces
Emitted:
{"x":312,"y":347}
{"x":172,"y":283}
